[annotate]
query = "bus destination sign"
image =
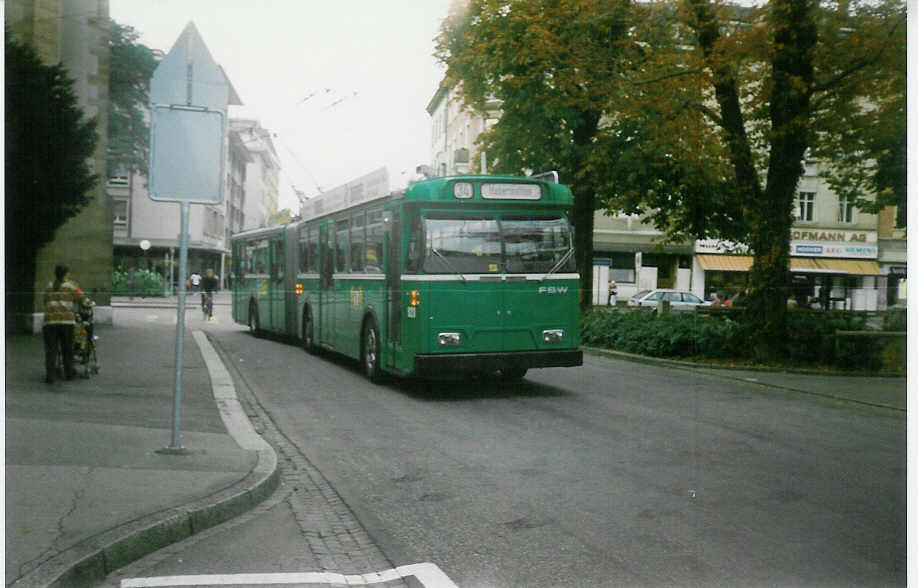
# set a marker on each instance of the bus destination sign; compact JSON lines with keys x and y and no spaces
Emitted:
{"x":511,"y":191}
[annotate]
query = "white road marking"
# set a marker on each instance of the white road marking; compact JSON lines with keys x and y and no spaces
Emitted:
{"x":428,"y":574}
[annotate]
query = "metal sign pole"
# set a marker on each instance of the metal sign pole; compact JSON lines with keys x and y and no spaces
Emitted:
{"x":189,"y":95}
{"x":176,"y":445}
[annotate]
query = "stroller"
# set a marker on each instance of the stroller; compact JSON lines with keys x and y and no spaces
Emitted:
{"x":84,"y":343}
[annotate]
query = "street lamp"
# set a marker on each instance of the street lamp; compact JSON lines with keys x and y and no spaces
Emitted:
{"x":144,"y":245}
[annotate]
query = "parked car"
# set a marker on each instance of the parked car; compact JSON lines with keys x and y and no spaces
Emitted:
{"x":679,"y":300}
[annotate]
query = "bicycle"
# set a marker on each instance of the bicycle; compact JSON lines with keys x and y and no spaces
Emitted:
{"x":207,"y":305}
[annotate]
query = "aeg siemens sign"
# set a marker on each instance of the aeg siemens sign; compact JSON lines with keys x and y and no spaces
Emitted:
{"x":833,"y":243}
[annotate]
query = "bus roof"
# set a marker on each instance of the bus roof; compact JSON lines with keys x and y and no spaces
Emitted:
{"x":491,"y":189}
{"x":261,"y":231}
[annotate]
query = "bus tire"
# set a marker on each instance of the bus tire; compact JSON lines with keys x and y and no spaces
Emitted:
{"x":254,"y":326}
{"x":513,"y":374}
{"x":369,"y":351}
{"x":309,"y":341}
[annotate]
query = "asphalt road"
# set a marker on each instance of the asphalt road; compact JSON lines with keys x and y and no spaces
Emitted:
{"x":612,"y":474}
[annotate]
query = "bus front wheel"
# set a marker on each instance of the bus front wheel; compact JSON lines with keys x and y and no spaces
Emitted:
{"x":370,"y":351}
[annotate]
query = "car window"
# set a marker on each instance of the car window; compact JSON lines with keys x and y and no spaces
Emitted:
{"x":654,"y":296}
{"x":672,"y":296}
{"x":641,"y":294}
{"x":689,"y":297}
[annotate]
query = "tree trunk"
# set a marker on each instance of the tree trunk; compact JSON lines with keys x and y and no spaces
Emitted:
{"x":584,"y":205}
{"x":768,"y":212}
{"x":791,"y":79}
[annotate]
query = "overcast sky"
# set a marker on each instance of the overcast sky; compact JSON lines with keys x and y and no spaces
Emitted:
{"x":375,"y":59}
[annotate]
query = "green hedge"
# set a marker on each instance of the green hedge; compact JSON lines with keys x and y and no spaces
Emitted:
{"x":146,"y":283}
{"x":677,"y":335}
{"x":810,"y":337}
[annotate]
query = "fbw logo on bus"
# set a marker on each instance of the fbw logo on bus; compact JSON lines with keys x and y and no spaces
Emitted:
{"x":552,"y":289}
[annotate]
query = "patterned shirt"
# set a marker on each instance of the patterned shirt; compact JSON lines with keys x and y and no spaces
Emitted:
{"x":59,"y":303}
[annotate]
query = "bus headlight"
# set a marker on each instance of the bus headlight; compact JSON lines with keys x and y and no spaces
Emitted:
{"x":414,"y":298}
{"x":448,"y":338}
{"x":553,"y":335}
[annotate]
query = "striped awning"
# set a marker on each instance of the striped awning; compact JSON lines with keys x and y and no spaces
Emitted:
{"x":742,"y":263}
{"x":725,"y":263}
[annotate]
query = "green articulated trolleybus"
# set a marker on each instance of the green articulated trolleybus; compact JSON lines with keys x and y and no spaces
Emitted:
{"x":452,"y":276}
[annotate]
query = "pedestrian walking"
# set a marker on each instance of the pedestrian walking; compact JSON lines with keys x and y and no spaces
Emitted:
{"x":195,"y":280}
{"x":60,"y":297}
{"x":613,"y":291}
{"x":207,"y":296}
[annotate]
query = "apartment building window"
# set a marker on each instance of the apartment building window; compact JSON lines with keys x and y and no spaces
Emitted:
{"x":121,"y":212}
{"x":845,"y":209}
{"x":805,"y":204}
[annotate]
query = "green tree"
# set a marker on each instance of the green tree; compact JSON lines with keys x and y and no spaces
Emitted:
{"x":131,"y":67}
{"x":861,"y":125}
{"x":767,"y":85}
{"x":49,"y":143}
{"x":549,"y":63}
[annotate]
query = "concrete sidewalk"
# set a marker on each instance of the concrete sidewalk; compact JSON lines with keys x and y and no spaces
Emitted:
{"x":86,"y":489}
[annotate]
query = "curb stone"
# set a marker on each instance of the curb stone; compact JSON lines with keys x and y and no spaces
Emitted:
{"x":637,"y":358}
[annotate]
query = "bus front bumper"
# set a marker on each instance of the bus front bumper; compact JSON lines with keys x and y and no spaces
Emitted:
{"x":457,"y":364}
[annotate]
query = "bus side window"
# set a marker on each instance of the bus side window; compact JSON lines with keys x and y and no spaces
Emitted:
{"x":303,"y":249}
{"x":237,"y":259}
{"x":328,"y":256}
{"x":357,"y":242}
{"x":277,"y":260}
{"x":312,"y":248}
{"x":261,"y":259}
{"x":415,"y":252}
{"x":374,"y":247}
{"x":341,"y":248}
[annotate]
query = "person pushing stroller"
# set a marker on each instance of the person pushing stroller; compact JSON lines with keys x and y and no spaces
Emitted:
{"x":60,"y":298}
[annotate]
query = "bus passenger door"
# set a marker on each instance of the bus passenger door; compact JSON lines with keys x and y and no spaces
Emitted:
{"x":393,"y":288}
{"x":326,"y":308}
{"x":276,"y":287}
{"x":290,"y":318}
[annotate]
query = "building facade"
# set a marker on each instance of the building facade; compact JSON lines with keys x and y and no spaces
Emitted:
{"x":841,"y":257}
{"x":454,"y":130}
{"x":262,"y":174}
{"x":145,"y":233}
{"x":75,"y":34}
{"x":249,"y":194}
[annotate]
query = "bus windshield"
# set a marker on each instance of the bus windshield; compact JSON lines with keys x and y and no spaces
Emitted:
{"x":458,"y":245}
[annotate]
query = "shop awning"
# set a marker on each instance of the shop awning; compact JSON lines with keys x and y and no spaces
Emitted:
{"x":725,"y":263}
{"x":854,"y":267}
{"x":742,"y":263}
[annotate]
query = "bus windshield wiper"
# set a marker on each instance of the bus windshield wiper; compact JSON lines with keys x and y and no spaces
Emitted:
{"x":561,"y":262}
{"x":447,"y":263}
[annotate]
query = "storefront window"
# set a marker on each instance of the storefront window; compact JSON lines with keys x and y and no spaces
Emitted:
{"x":622,"y":269}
